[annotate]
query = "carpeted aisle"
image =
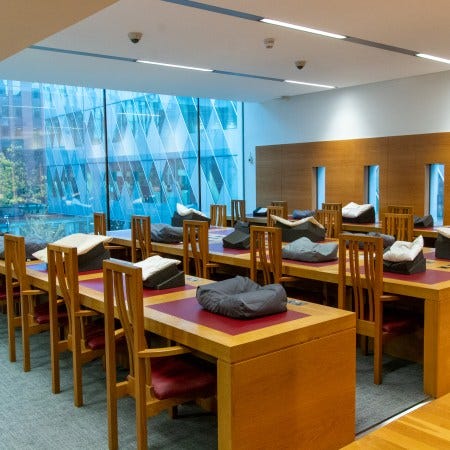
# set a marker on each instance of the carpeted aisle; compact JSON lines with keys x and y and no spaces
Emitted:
{"x":31,"y":417}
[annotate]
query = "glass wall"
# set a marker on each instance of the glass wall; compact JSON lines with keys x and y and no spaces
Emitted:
{"x":156,"y":151}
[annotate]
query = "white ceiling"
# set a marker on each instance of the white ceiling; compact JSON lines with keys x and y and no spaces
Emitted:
{"x":184,"y":35}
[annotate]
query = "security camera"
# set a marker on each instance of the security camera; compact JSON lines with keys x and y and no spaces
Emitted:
{"x":300,"y":64}
{"x":134,"y":36}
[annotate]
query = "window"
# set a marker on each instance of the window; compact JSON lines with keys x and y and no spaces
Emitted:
{"x":320,"y":186}
{"x":161,"y":149}
{"x":372,"y":175}
{"x":436,"y":192}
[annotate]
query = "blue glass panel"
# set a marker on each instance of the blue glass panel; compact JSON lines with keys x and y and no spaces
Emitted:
{"x":436,"y":190}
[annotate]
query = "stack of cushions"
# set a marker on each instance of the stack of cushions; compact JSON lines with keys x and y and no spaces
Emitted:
{"x":90,"y":249}
{"x":183,"y":213}
{"x":354,"y":213}
{"x":308,"y":227}
{"x":405,"y":257}
{"x":304,"y":249}
{"x":443,"y":243}
{"x":242,"y":298}
{"x":161,"y":273}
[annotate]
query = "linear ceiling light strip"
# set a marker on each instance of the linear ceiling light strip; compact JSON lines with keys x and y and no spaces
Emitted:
{"x":354,"y":40}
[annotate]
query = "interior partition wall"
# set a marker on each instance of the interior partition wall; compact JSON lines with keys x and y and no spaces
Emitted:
{"x":122,"y":153}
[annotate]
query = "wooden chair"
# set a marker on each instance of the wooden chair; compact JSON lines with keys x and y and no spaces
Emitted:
{"x":141,"y":238}
{"x":284,"y":205}
{"x":400,"y":209}
{"x":85,"y":340}
{"x":196,"y":245}
{"x":100,"y":223}
{"x":118,"y":251}
{"x":218,"y":214}
{"x":335,"y":206}
{"x":159,"y":378}
{"x":238,"y":211}
{"x":274,"y":211}
{"x":33,"y":317}
{"x":265,"y":255}
{"x":331,"y":219}
{"x":363,"y":263}
{"x":399,"y":225}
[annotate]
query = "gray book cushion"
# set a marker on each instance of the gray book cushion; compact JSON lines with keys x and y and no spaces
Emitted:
{"x":303,"y":249}
{"x":168,"y":234}
{"x":242,"y":298}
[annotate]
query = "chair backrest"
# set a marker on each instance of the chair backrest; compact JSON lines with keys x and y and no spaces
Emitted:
{"x":336,"y":206}
{"x":284,"y":205}
{"x":274,"y":211}
{"x":123,"y":289}
{"x":331,"y":219}
{"x":218,"y":215}
{"x":265,"y":254}
{"x":141,"y":238}
{"x":399,"y":225}
{"x":400,"y":209}
{"x":361,"y":257}
{"x":238,"y":211}
{"x":63,"y":275}
{"x":15,"y":263}
{"x":196,"y":245}
{"x":100,"y":223}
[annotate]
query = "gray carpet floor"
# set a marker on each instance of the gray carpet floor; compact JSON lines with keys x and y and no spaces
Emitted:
{"x":31,"y":417}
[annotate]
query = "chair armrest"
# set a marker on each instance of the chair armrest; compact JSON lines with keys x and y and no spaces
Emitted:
{"x":389,"y":298}
{"x":33,"y":292}
{"x":161,"y":352}
{"x":87,"y":313}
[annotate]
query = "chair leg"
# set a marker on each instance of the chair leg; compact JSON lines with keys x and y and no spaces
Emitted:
{"x":111,"y":381}
{"x":54,"y":348}
{"x":76,"y":363}
{"x":10,"y":316}
{"x":25,"y":305}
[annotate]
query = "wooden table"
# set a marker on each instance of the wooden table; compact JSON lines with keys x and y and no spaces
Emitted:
{"x":425,"y":428}
{"x":433,"y":286}
{"x":282,"y":380}
{"x":378,"y":228}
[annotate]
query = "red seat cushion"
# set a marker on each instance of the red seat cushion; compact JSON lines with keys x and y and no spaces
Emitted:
{"x":401,"y":322}
{"x":42,"y":314}
{"x":95,"y":336}
{"x":182,"y":376}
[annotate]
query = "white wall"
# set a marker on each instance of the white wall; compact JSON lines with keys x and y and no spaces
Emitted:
{"x":407,"y":106}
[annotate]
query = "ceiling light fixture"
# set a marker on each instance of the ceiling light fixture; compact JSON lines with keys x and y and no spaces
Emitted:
{"x":433,"y":58}
{"x":175,"y":66}
{"x":310,"y":84}
{"x":306,"y":29}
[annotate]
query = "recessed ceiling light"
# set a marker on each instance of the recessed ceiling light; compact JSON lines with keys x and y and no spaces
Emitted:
{"x":433,"y":58}
{"x":175,"y":66}
{"x":311,"y":84}
{"x":301,"y":28}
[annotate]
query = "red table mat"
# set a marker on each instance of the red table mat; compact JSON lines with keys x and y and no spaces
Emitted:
{"x":97,"y":285}
{"x":430,"y":276}
{"x":217,"y":247}
{"x":311,"y":264}
{"x":189,"y":309}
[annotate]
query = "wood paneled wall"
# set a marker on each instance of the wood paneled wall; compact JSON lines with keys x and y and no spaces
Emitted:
{"x":286,"y":172}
